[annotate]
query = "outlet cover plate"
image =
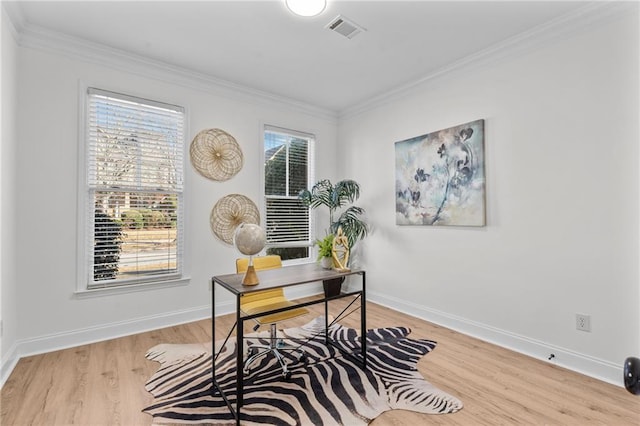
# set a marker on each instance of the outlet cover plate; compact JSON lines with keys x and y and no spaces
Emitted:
{"x":583,"y":322}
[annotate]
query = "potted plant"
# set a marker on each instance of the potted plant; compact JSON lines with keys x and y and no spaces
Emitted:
{"x":325,"y":247}
{"x":335,"y":197}
{"x":324,"y":193}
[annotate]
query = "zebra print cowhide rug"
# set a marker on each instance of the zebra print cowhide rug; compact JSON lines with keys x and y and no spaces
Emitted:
{"x":327,"y":389}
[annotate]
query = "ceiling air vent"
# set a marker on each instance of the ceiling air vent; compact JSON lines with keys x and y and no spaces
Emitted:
{"x":344,"y":27}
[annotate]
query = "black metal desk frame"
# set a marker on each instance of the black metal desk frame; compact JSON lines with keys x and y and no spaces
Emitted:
{"x":280,"y":278}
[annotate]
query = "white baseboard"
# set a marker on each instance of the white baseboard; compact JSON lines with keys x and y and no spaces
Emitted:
{"x":69,"y":339}
{"x":583,"y":364}
{"x":9,"y":362}
{"x":580,"y":363}
{"x":72,"y":338}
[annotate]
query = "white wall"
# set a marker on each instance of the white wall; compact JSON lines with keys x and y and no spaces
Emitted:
{"x":561,"y":149}
{"x":49,"y":314}
{"x":8,"y":191}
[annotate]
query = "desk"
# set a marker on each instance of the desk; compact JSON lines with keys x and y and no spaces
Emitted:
{"x":279,"y":278}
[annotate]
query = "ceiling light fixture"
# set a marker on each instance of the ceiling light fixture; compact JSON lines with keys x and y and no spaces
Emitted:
{"x":306,"y":7}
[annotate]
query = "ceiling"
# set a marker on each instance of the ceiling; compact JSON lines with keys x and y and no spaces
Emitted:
{"x":261,"y":45}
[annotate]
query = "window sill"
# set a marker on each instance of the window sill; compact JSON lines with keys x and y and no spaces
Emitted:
{"x":130,"y":288}
{"x":297,"y":261}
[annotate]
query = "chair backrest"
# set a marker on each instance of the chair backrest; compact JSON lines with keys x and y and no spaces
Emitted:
{"x":260,"y":263}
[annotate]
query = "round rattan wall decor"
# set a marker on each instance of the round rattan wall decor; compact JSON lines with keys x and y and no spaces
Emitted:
{"x":216,"y":155}
{"x":229,"y":212}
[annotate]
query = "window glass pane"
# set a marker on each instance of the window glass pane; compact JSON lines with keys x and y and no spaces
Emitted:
{"x":289,"y":253}
{"x":297,"y":166}
{"x":135,"y":233}
{"x":275,"y":164}
{"x":133,"y":147}
{"x":287,"y":220}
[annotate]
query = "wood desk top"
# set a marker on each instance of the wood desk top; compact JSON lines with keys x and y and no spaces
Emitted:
{"x":281,"y":277}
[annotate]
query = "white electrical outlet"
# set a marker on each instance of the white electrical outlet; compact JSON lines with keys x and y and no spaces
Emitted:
{"x":583,"y":322}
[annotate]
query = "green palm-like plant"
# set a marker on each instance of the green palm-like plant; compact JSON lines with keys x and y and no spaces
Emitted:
{"x":324,"y":193}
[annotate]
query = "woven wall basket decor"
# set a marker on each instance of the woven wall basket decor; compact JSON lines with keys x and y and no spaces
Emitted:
{"x":216,"y":155}
{"x":229,"y":212}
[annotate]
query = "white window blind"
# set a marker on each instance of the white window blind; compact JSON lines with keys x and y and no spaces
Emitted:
{"x":134,"y":161}
{"x":288,"y":169}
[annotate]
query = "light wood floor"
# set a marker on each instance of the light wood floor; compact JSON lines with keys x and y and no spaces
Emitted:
{"x":103,"y":383}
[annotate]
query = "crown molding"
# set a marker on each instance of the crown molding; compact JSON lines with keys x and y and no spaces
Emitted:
{"x":594,"y":13}
{"x":31,"y":36}
{"x":36,"y":37}
{"x":12,"y":18}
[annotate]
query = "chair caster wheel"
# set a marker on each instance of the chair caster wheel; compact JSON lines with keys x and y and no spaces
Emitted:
{"x":286,"y":375}
{"x":302,"y":358}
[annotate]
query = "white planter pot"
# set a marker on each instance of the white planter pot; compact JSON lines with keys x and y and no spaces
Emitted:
{"x":326,"y":262}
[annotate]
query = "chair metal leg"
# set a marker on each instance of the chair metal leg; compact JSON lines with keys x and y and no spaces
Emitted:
{"x":276,"y":346}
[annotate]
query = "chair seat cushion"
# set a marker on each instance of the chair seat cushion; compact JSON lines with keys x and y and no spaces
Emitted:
{"x":264,"y":305}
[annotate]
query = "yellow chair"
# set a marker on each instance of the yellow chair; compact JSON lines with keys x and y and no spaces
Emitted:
{"x":267,"y":300}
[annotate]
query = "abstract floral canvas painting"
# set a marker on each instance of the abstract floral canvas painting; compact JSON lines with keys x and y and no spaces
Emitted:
{"x":440,"y":177}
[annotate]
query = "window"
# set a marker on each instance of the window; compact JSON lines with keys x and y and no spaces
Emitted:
{"x":288,"y":161}
{"x":133,"y":190}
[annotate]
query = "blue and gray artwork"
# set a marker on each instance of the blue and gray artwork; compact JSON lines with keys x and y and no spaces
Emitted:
{"x":440,"y":177}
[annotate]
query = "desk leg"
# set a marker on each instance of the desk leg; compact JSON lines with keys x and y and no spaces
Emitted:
{"x":363,"y":321}
{"x":239,"y":360}
{"x":213,"y":338}
{"x":326,"y":320}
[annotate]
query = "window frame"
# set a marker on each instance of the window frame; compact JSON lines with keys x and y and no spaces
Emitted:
{"x":311,"y":141}
{"x":85,"y":214}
